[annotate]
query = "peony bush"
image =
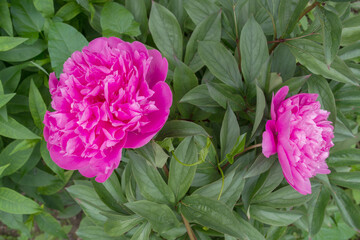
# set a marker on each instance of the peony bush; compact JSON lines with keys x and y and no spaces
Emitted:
{"x":186,"y":119}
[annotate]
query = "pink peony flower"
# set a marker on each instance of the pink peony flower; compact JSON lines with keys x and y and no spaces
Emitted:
{"x":111,"y":95}
{"x":301,"y":135}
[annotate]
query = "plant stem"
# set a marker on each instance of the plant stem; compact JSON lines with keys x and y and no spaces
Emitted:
{"x":166,"y":170}
{"x":308,"y":9}
{"x":289,"y":39}
{"x":188,"y":228}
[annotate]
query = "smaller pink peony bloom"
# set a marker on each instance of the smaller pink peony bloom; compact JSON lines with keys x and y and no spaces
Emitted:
{"x":301,"y":135}
{"x":111,"y":95}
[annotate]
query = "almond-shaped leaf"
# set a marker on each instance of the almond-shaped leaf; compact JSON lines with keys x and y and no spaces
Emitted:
{"x":37,"y":105}
{"x":26,"y":19}
{"x":318,"y":84}
{"x":350,"y":52}
{"x":224,"y":94}
{"x":24,"y":51}
{"x":117,"y":225}
{"x":151,"y":185}
{"x":208,"y":30}
{"x":289,"y":12}
{"x":12,"y":129}
{"x":5,"y":98}
{"x":344,"y":157}
{"x":5,"y":20}
{"x":181,"y":128}
{"x":63,"y":41}
{"x":331,"y":31}
{"x":160,"y":216}
{"x":166,"y":32}
{"x":311,"y":55}
{"x":346,"y":179}
{"x":260,"y":165}
{"x":116,"y":20}
{"x":273,"y":216}
{"x":181,"y":176}
{"x":200,"y":10}
{"x":253,"y":48}
{"x":294,"y":84}
{"x":143,"y":232}
{"x":260,"y":107}
{"x":15,"y":203}
{"x":221,"y":63}
{"x":50,"y":225}
{"x":230,"y":131}
{"x":68,"y":11}
{"x":217,"y":216}
{"x":8,"y":43}
{"x":46,"y":7}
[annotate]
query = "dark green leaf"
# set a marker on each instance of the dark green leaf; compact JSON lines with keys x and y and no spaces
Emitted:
{"x":50,"y":225}
{"x":351,"y":30}
{"x":160,"y":216}
{"x":10,"y":78}
{"x":273,"y":216}
{"x":68,"y":11}
{"x":15,"y":221}
{"x":319,"y":85}
{"x":283,"y":62}
{"x":316,"y":212}
{"x":149,"y":180}
{"x":8,"y":43}
{"x":118,"y":225}
{"x":5,"y":98}
{"x":208,"y":30}
{"x":49,"y":162}
{"x":294,"y":84}
{"x":116,"y":20}
{"x":224,"y":94}
{"x":138,"y":9}
{"x":253,"y":48}
{"x":15,"y":203}
{"x":24,"y":52}
{"x":216,"y":215}
{"x":346,"y":179}
{"x":13,"y":129}
{"x":220,"y":62}
{"x":88,"y":230}
{"x":180,"y":176}
{"x":349,"y":211}
{"x":180,"y":128}
{"x":5,"y":20}
{"x":166,"y":32}
{"x":63,"y":41}
{"x":310,"y":55}
{"x":25,"y":18}
{"x":344,"y":157}
{"x":184,"y":81}
{"x":200,"y":10}
{"x":261,"y":164}
{"x":142,"y":232}
{"x":154,"y":153}
{"x":289,"y":12}
{"x":260,"y":107}
{"x":238,"y":148}
{"x":350,"y":52}
{"x":37,"y":105}
{"x":230,"y":131}
{"x":200,"y":97}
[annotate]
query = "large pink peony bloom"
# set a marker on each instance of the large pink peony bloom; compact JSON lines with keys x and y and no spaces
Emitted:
{"x":111,"y":95}
{"x":301,"y":135}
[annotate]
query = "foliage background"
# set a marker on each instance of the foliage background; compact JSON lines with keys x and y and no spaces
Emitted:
{"x":226,"y":57}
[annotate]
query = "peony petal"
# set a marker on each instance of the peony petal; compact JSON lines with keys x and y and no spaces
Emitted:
{"x":301,"y":184}
{"x":277,"y":99}
{"x":269,"y":141}
{"x":53,"y":82}
{"x":66,"y":162}
{"x":135,"y":140}
{"x":158,"y":68}
{"x":285,"y":164}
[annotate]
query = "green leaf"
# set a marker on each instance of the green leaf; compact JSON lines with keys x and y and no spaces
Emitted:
{"x":349,"y":211}
{"x":253,"y":48}
{"x":160,"y":216}
{"x":143,"y":232}
{"x":13,"y":129}
{"x":25,"y":18}
{"x":220,"y":62}
{"x":180,"y":176}
{"x":216,"y":215}
{"x":5,"y":20}
{"x":200,"y":10}
{"x":113,"y":201}
{"x":149,"y":180}
{"x":69,"y":11}
{"x":5,"y":98}
{"x":273,"y":216}
{"x":260,"y":107}
{"x":230,"y":131}
{"x":224,"y":94}
{"x":166,"y":32}
{"x":289,"y":12}
{"x":184,"y":81}
{"x":275,"y":233}
{"x":310,"y":55}
{"x":56,"y":185}
{"x":118,"y":225}
{"x":180,"y":128}
{"x":7,"y":43}
{"x":350,"y":52}
{"x":284,"y":197}
{"x":48,"y":161}
{"x":46,"y":7}
{"x":283,"y":62}
{"x":50,"y":225}
{"x":138,"y":9}
{"x":16,"y":160}
{"x":238,"y":148}
{"x":231,"y":190}
{"x":260,"y":165}
{"x":351,"y":30}
{"x":116,"y":20}
{"x":15,"y":221}
{"x":63,"y":41}
{"x":200,"y":97}
{"x":88,"y":230}
{"x":208,"y":30}
{"x":10,"y":78}
{"x":15,"y":203}
{"x":344,"y":157}
{"x":24,"y":52}
{"x":316,"y":212}
{"x":346,"y":179}
{"x":154,"y":153}
{"x":319,"y":85}
{"x":37,"y":105}
{"x":331,"y":31}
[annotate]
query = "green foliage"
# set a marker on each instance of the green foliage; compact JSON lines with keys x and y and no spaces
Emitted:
{"x":202,"y":174}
